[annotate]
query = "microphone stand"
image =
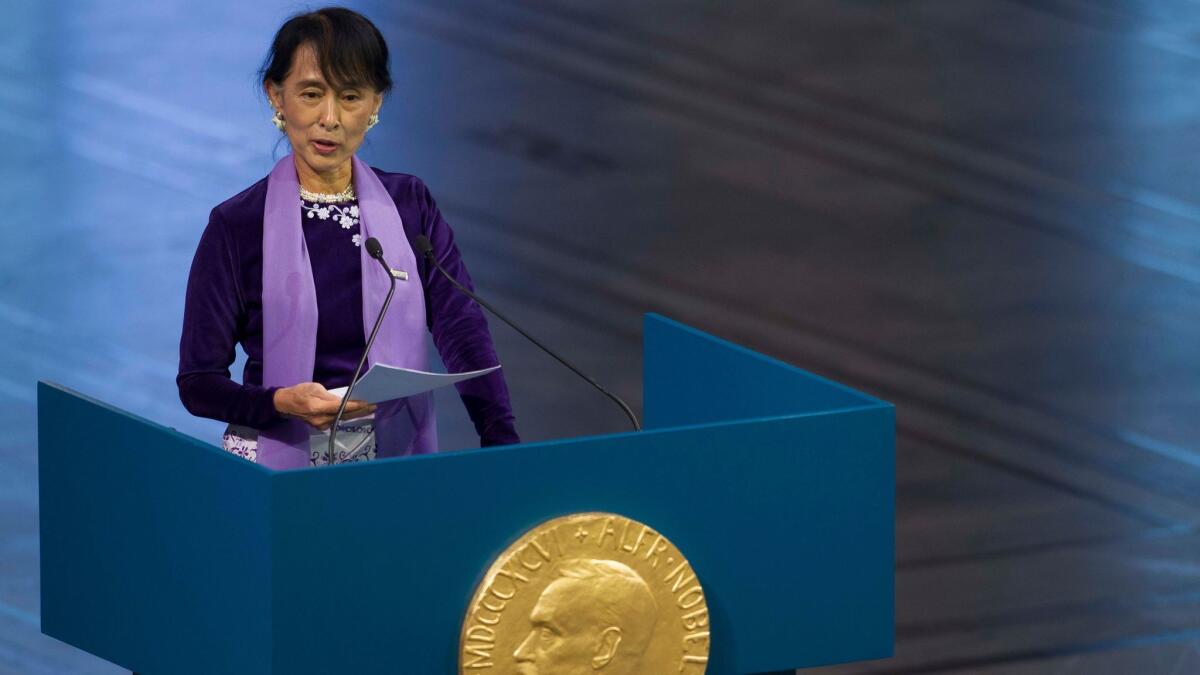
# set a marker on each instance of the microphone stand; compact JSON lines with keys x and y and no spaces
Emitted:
{"x":375,"y":250}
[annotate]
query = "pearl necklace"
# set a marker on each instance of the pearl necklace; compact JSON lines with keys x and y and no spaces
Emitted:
{"x":327,"y":198}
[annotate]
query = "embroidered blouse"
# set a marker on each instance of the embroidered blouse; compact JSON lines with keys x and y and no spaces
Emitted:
{"x":223,"y":308}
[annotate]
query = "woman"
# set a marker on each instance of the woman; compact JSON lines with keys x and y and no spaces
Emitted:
{"x":281,"y":268}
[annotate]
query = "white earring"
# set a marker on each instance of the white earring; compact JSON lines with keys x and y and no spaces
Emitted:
{"x":372,"y":120}
{"x":278,"y":121}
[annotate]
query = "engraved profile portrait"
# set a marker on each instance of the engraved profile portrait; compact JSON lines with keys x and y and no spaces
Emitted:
{"x":596,"y":616}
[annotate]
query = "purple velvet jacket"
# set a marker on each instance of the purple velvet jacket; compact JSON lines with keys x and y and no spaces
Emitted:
{"x":223,"y":307}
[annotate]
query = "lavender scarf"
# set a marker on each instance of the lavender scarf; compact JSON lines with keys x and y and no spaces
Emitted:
{"x":289,"y":298}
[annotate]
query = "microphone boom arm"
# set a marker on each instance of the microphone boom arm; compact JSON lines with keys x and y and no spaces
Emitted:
{"x":426,"y":247}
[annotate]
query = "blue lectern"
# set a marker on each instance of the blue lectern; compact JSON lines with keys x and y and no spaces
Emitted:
{"x":168,"y":556}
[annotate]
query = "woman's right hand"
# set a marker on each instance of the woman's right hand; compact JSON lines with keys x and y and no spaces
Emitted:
{"x":312,"y":403}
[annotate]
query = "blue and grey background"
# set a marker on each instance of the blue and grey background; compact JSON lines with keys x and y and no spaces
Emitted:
{"x":983,"y":211}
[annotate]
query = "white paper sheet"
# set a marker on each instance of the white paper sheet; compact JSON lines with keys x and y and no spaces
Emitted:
{"x":384,"y":383}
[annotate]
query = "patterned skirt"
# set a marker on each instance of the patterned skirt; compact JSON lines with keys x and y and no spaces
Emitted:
{"x":355,"y":442}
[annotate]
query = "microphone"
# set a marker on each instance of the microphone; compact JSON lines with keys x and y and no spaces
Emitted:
{"x":375,"y":250}
{"x":425,"y":248}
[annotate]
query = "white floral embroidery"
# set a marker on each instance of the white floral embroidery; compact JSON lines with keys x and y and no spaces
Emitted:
{"x":346,"y":216}
{"x":355,"y":442}
{"x":244,"y":448}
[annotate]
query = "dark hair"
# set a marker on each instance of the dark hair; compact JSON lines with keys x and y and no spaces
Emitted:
{"x":350,"y":49}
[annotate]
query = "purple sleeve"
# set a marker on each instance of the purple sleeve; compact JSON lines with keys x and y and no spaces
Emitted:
{"x":460,"y":333}
{"x":211,"y":318}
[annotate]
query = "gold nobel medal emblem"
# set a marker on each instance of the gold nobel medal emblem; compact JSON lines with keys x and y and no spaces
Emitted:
{"x":593,"y":593}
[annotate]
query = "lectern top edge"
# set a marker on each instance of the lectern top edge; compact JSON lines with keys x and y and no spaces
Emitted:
{"x":654,"y":317}
{"x":650,"y":320}
{"x":48,"y":387}
{"x":466,"y":453}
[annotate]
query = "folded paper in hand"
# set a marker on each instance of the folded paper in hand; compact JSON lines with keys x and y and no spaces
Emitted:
{"x":384,"y":383}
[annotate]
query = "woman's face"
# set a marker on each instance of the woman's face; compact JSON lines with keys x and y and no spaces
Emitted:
{"x":325,"y":126}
